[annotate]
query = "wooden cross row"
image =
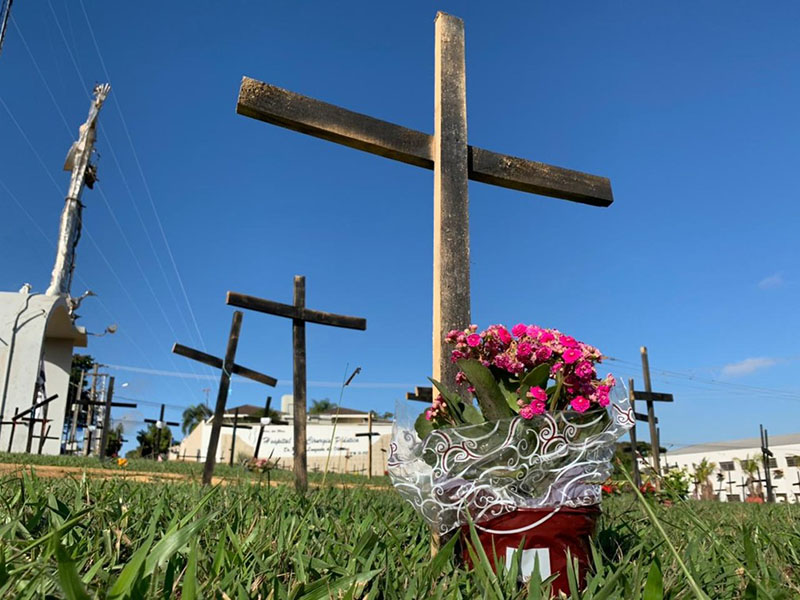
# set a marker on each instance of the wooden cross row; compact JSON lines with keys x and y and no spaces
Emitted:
{"x":227,"y":366}
{"x":35,"y":406}
{"x":447,"y":152}
{"x":300,"y":315}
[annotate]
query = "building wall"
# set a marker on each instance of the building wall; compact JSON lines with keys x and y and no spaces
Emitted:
{"x":278,"y":441}
{"x":785,"y":488}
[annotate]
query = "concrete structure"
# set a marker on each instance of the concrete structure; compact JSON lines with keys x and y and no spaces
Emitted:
{"x":348,"y":453}
{"x":784,"y":466}
{"x":35,"y":329}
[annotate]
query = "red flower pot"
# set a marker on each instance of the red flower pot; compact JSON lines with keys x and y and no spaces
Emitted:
{"x":545,"y":533}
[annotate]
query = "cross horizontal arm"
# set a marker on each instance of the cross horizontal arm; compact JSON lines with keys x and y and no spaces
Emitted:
{"x":655,"y":396}
{"x":373,"y":434}
{"x":170,"y":423}
{"x":644,"y":417}
{"x":35,"y":406}
{"x":213,"y":361}
{"x":113,"y":404}
{"x":294,"y":312}
{"x":277,"y":106}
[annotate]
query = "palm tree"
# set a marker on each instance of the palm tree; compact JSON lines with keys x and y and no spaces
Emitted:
{"x":193,"y":416}
{"x":702,"y":472}
{"x":751,"y":467}
{"x":321,"y":406}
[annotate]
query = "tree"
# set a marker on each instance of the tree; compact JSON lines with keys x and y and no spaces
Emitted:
{"x":147,"y":441}
{"x":193,"y":416}
{"x":321,"y":406}
{"x":275,"y":415}
{"x":702,"y":473}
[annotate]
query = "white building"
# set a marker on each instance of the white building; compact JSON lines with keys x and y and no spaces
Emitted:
{"x":730,"y":481}
{"x":331,"y":433}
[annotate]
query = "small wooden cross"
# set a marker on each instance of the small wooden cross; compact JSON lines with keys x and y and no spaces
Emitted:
{"x":369,"y":435}
{"x":421,"y":394}
{"x":31,"y":419}
{"x":300,"y":315}
{"x":228,"y":367}
{"x":160,"y":423}
{"x":453,"y":160}
{"x":730,"y":483}
{"x":650,"y":397}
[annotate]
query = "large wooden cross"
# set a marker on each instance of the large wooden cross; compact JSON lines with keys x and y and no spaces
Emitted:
{"x":453,"y":161}
{"x":300,"y":315}
{"x":228,"y":368}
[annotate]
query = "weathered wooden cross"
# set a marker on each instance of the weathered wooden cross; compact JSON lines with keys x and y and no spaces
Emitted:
{"x":160,"y":423}
{"x":265,"y":420}
{"x":369,"y":434}
{"x":32,"y":420}
{"x":228,"y":368}
{"x":300,"y":315}
{"x":453,"y":161}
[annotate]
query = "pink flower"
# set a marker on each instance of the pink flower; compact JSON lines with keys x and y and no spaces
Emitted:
{"x":610,"y":381}
{"x":429,"y":414}
{"x":474,"y":340}
{"x":603,"y":400}
{"x":519,"y":329}
{"x":546,"y":336}
{"x":571,"y":355}
{"x":537,"y":393}
{"x":503,"y":334}
{"x":526,"y":412}
{"x":556,"y":368}
{"x":580,"y":404}
{"x":567,"y":341}
{"x":533,"y":331}
{"x":524,"y":350}
{"x":584,"y":369}
{"x":473,"y":328}
{"x":543,"y":353}
{"x":538,"y":407}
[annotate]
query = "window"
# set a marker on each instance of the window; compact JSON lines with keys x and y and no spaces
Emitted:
{"x":726,"y":466}
{"x":734,"y":498}
{"x":792,"y":461}
{"x":773,"y":464}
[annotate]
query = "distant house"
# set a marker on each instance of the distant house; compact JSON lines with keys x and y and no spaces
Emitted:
{"x":330,"y":436}
{"x":731,"y":481}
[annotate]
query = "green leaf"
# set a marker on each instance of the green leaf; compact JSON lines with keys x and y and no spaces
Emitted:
{"x":508,"y":387}
{"x":472,"y":415}
{"x":67,"y":574}
{"x":538,"y":377}
{"x":189,"y":587}
{"x":654,"y":588}
{"x":490,"y":398}
{"x":422,"y":426}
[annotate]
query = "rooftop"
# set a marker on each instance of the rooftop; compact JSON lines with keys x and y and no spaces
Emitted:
{"x":743,"y":444}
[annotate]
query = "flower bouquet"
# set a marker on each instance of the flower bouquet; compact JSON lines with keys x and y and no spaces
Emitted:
{"x":527,"y":463}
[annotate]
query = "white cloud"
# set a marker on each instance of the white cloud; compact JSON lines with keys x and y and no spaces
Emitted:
{"x":747,"y":366}
{"x":773,"y":281}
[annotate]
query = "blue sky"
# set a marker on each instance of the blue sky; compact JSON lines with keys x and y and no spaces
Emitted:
{"x":690,"y":109}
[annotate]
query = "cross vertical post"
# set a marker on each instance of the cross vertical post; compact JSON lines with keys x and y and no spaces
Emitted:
{"x":160,"y":424}
{"x":90,"y":411}
{"x":106,"y":418}
{"x":451,"y":291}
{"x":13,"y":428}
{"x":222,"y":396}
{"x":233,"y":437}
{"x":299,"y":387}
{"x":651,"y":413}
{"x":369,"y":435}
{"x":76,"y":411}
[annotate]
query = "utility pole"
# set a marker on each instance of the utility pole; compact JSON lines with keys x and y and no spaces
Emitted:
{"x":106,"y":418}
{"x":84,"y":173}
{"x":651,"y":413}
{"x":87,"y":438}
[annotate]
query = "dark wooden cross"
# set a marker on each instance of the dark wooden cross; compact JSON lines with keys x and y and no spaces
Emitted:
{"x":236,"y":427}
{"x":730,"y":483}
{"x":160,"y":424}
{"x":766,"y":454}
{"x":453,"y":160}
{"x":265,"y":420}
{"x":369,"y":434}
{"x":108,"y":403}
{"x":421,"y":394}
{"x":228,"y":368}
{"x":745,"y":488}
{"x":300,"y":315}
